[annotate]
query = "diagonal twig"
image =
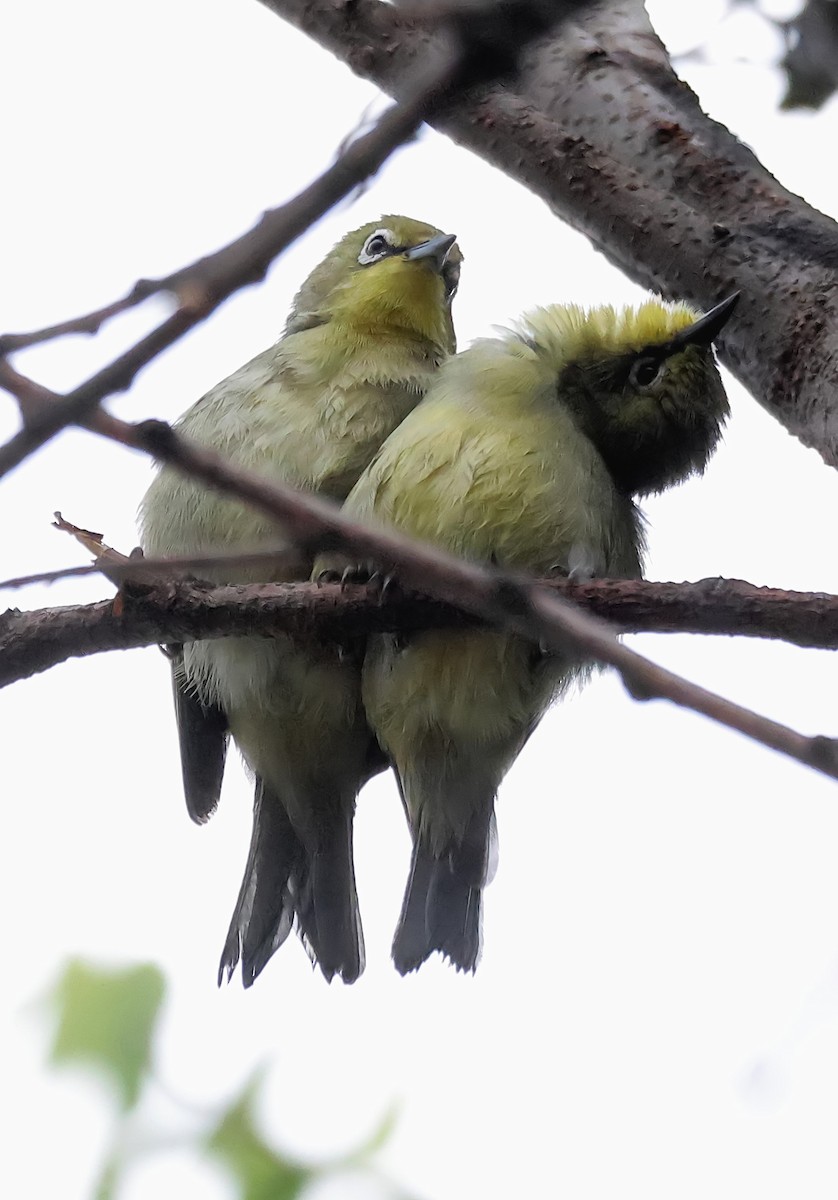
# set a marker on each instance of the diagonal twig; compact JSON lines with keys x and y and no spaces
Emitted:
{"x":479,"y":46}
{"x":203,"y":286}
{"x":512,"y":601}
{"x":509,"y":600}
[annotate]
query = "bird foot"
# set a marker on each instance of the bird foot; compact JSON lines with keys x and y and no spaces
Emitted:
{"x":381,"y":583}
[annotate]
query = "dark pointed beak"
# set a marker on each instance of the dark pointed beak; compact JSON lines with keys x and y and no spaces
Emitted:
{"x":436,"y":249}
{"x":707,"y":328}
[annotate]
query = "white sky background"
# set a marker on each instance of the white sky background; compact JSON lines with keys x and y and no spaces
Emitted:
{"x":656,"y":1012}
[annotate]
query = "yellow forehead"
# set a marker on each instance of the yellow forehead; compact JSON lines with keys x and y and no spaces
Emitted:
{"x":566,"y":332}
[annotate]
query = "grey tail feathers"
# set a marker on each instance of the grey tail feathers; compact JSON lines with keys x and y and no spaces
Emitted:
{"x":285,"y":884}
{"x":442,"y":904}
{"x":202,"y":735}
{"x":327,"y":902}
{"x":264,"y":911}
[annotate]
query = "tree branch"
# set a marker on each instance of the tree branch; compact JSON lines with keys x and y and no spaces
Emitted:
{"x":600,"y":127}
{"x":181,"y":611}
{"x":511,"y":601}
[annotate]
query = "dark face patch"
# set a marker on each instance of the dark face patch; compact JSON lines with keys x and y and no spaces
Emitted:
{"x":655,"y":415}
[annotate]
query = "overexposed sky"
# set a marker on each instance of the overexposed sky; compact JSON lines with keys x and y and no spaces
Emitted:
{"x":656,"y":1011}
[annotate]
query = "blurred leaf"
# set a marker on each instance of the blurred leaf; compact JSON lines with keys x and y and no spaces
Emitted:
{"x":106,"y":1019}
{"x":107,"y":1183}
{"x":379,"y":1137}
{"x":262,"y":1173}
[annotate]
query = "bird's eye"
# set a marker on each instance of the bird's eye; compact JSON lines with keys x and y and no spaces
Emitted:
{"x":645,"y":371}
{"x":376,"y":246}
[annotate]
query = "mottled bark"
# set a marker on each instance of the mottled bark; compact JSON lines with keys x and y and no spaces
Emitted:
{"x":599,"y":126}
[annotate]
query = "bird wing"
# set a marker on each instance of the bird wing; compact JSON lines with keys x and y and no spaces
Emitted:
{"x":464,"y":484}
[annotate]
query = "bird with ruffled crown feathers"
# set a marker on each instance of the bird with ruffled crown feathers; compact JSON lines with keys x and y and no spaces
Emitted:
{"x":528,"y":452}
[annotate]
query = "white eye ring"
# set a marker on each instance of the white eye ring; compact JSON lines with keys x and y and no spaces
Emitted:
{"x":378,"y":245}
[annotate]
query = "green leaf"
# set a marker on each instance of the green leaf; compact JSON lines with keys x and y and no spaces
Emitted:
{"x":106,"y":1020}
{"x":108,"y":1180}
{"x":261,"y":1173}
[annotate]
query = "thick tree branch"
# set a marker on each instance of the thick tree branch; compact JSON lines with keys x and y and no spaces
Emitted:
{"x":31,"y":642}
{"x":599,"y":127}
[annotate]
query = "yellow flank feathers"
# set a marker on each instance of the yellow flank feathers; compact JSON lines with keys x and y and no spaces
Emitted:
{"x":490,"y":444}
{"x":366,"y":335}
{"x":526,"y":452}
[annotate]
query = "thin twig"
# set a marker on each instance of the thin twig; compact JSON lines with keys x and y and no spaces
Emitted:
{"x":147,"y":570}
{"x":501,"y":597}
{"x":203,"y":285}
{"x":89,"y":324}
{"x":474,"y":51}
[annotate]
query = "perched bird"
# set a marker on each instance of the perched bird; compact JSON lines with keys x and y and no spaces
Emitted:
{"x":527,"y":452}
{"x":366,"y":334}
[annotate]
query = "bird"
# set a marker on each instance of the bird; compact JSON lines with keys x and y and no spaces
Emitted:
{"x":528,"y":452}
{"x":367,"y":332}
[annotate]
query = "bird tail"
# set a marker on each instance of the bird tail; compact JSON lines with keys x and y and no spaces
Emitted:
{"x":264,"y":912}
{"x":202,"y":736}
{"x":327,"y":903}
{"x":286,"y":884}
{"x":443,"y":900}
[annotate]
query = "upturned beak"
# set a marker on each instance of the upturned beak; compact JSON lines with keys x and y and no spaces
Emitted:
{"x":707,"y":328}
{"x":436,"y":249}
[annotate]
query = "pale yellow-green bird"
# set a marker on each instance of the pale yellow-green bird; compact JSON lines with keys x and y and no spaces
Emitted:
{"x":527,"y":452}
{"x":367,"y":332}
